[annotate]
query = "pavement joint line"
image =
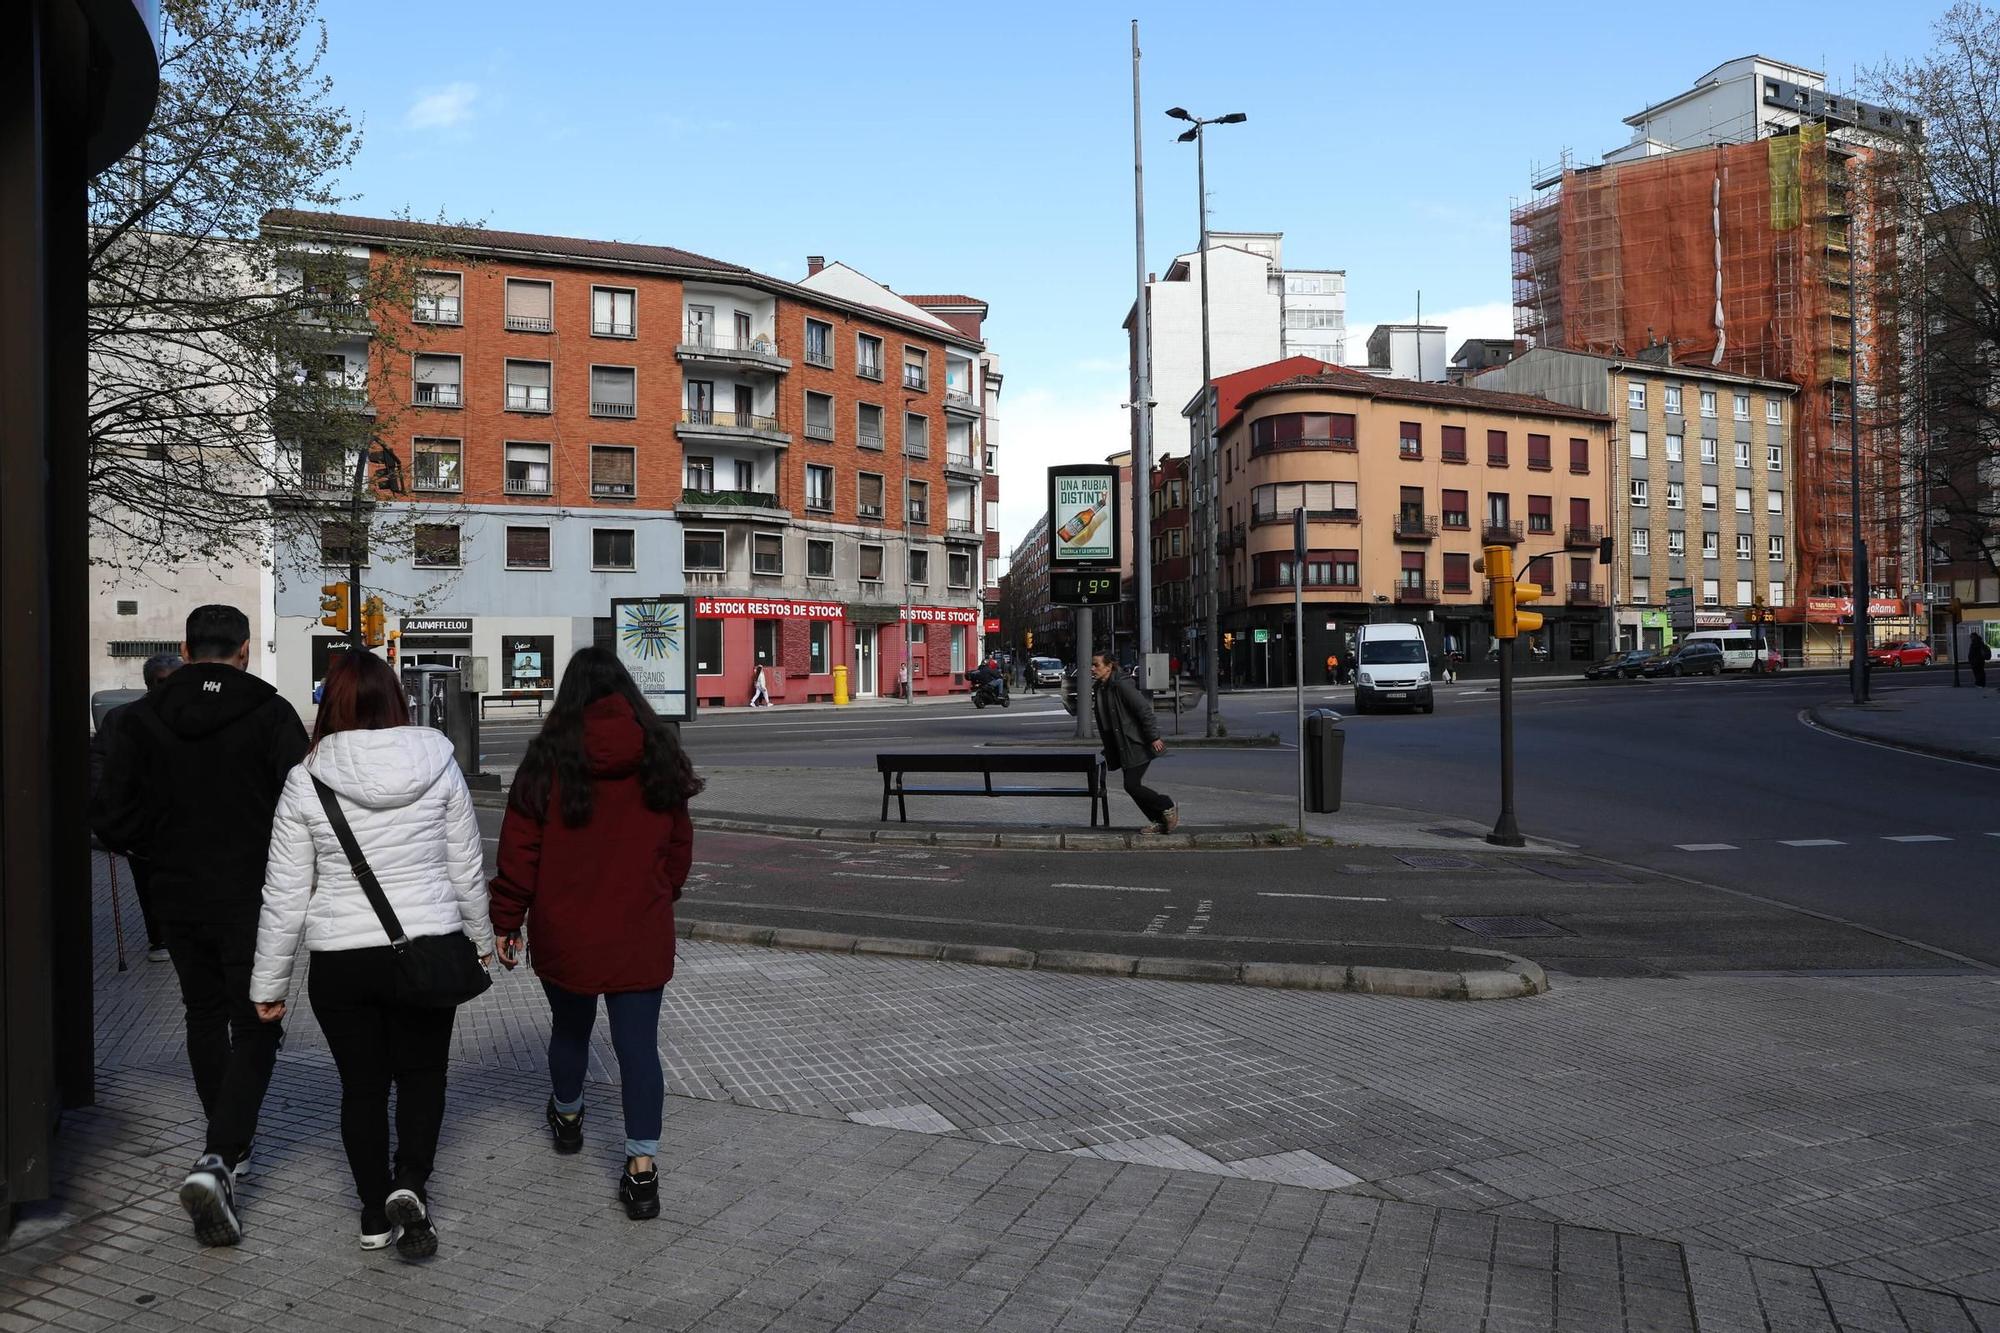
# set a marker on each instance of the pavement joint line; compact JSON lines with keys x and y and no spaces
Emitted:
{"x":1514,"y":978}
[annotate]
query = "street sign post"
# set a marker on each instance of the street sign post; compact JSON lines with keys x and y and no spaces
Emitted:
{"x":1680,"y":610}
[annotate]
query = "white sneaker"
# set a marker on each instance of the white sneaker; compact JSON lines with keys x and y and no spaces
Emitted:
{"x":377,"y":1231}
{"x":209,"y":1195}
{"x":416,"y":1237}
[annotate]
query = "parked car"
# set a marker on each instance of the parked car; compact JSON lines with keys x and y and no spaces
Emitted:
{"x":1394,"y":670}
{"x":1626,"y":665}
{"x":1701,"y":658}
{"x":1048,"y":670}
{"x":1910,"y":653}
{"x":1773,"y":663}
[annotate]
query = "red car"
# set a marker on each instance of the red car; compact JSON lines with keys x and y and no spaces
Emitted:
{"x":1901,"y":654}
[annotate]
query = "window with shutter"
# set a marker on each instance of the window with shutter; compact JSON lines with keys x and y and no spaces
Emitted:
{"x":530,"y":306}
{"x":614,"y":391}
{"x":527,"y":548}
{"x":613,"y":472}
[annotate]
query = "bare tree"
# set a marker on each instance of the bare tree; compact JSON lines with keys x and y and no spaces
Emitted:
{"x":229,"y":367}
{"x":1948,"y":278}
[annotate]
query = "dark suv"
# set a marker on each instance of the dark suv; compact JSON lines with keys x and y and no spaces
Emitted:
{"x":1701,"y":658}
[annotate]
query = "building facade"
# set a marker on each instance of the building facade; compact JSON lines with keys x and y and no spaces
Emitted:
{"x":1403,"y":484}
{"x":582,"y":420}
{"x":1701,"y":478}
{"x":1172,"y":534}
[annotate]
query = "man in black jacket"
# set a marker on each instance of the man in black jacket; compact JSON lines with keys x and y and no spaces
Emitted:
{"x":154,"y":674}
{"x":191,"y":784}
{"x":1131,"y":738}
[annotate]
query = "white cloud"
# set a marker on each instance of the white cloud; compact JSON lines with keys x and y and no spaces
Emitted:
{"x":442,"y":108}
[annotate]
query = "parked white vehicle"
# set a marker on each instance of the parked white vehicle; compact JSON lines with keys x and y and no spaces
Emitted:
{"x":1392,"y":668}
{"x":1739,"y":647}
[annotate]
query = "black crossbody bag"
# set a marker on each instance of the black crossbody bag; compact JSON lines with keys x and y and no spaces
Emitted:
{"x":432,"y":971}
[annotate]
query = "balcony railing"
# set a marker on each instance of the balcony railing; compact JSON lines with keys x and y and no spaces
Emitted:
{"x":604,"y":409}
{"x":705,"y":340}
{"x":527,"y":485}
{"x":614,"y":490}
{"x":1583,"y":535}
{"x":915,"y":377}
{"x":1230,"y":539}
{"x":1417,"y":593}
{"x":819,"y":430}
{"x":1266,"y":518}
{"x":434,"y":474}
{"x":869,"y":370}
{"x":527,"y":398}
{"x":1586,"y":594}
{"x":1416,"y":527}
{"x":959,"y":525}
{"x":916,"y":448}
{"x":437,"y":310}
{"x":711,"y":416}
{"x":958,"y":398}
{"x":1500,"y":530}
{"x":868,"y":439}
{"x":729,"y":499}
{"x":436,"y":395}
{"x":920,"y":514}
{"x":612,"y":328}
{"x":960,"y":461}
{"x":866,"y":510}
{"x":819,"y":356}
{"x":530,"y":323}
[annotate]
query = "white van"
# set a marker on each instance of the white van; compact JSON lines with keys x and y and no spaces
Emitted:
{"x":1392,"y":668}
{"x":1739,"y":646}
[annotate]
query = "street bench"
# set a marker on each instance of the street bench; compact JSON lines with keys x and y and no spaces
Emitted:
{"x":1087,"y":764}
{"x":539,"y":697}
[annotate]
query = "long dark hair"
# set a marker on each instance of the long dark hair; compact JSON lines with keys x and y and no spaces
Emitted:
{"x":360,"y":693}
{"x":556,"y":763}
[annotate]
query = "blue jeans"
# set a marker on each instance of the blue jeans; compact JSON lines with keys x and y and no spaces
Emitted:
{"x":635,"y":1036}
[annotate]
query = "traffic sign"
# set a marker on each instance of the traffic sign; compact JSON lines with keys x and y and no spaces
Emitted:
{"x":1260,"y":636}
{"x":1680,"y":609}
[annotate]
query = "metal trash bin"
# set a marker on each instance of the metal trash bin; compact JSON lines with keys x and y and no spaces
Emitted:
{"x":1325,"y":745}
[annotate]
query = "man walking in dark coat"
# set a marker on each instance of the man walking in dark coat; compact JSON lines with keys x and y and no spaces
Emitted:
{"x":1131,"y":739}
{"x":190,"y":784}
{"x":154,"y":674}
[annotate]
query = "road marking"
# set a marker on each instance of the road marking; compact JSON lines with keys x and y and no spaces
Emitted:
{"x":1706,"y":846}
{"x":1326,"y":897}
{"x":1109,"y":888}
{"x":862,"y":874}
{"x":1917,"y":837}
{"x":1805,"y":720}
{"x":1811,"y":842}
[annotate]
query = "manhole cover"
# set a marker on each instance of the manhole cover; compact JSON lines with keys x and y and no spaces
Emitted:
{"x":1576,"y":874}
{"x":1507,"y":927}
{"x":1433,"y":861}
{"x":1450,"y":832}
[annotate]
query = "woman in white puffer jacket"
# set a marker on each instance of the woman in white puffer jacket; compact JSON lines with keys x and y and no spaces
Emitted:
{"x":400,"y":791}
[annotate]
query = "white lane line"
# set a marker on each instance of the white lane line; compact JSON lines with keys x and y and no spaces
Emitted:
{"x":1109,"y":888}
{"x":1327,"y":897}
{"x":1918,"y":837}
{"x":862,"y":874}
{"x":1811,"y":842}
{"x":1706,"y":847}
{"x":1805,"y":719}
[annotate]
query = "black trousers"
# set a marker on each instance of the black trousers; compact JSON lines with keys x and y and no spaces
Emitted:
{"x":1151,"y":803}
{"x":378,"y":1044}
{"x":230,"y":1049}
{"x":1978,"y":665}
{"x":142,"y":888}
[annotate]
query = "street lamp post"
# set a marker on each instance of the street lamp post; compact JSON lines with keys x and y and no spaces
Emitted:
{"x":1212,"y":645}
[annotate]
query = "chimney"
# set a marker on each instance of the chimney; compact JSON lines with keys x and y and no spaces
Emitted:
{"x":814,"y":263}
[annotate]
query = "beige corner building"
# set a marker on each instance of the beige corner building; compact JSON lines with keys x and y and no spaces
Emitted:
{"x":1403,"y":483}
{"x":1703,"y":479}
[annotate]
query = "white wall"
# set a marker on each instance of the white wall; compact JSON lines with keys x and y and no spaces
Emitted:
{"x":1244,"y":329}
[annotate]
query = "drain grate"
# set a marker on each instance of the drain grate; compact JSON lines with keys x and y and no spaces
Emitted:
{"x":1438,"y":861}
{"x":1507,"y":927}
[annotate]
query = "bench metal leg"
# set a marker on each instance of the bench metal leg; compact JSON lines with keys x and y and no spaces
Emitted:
{"x":885,"y":800}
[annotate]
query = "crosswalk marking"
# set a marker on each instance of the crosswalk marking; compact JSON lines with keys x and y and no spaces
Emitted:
{"x":1706,"y":847}
{"x":1917,"y":837}
{"x":1811,"y":842}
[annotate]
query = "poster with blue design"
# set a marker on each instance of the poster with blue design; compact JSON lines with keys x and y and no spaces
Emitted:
{"x":652,"y":637}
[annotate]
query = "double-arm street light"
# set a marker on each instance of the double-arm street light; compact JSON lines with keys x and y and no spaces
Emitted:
{"x":1212,"y":646}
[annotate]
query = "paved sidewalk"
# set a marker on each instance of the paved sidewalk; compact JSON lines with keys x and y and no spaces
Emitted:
{"x":883,"y":1144}
{"x":1954,"y":724}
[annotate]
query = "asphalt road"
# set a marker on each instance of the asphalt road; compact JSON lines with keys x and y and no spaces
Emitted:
{"x":1713,"y":781}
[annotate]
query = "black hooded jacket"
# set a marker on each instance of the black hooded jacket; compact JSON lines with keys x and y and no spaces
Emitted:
{"x":191,"y":782}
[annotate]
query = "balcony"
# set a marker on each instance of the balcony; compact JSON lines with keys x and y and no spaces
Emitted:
{"x":1417,"y":594}
{"x":759,"y":351}
{"x":916,"y":378}
{"x":527,"y":485}
{"x":868,"y":439}
{"x":961,"y":529}
{"x":920,"y":514}
{"x":1585,"y":537}
{"x":435,"y":473}
{"x":436,"y":395}
{"x":1230,"y":539}
{"x":960,"y":402}
{"x":959,"y":461}
{"x":819,"y":430}
{"x":753,"y":506}
{"x":869,"y":370}
{"x":717,"y":423}
{"x":1416,"y":527}
{"x":599,"y":408}
{"x":529,"y":324}
{"x":1586,"y":594}
{"x":1501,"y":532}
{"x":613,"y":328}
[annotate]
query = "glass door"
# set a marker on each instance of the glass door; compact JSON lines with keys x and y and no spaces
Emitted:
{"x":864,"y":663}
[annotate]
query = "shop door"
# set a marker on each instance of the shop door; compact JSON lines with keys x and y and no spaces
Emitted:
{"x":864,"y":663}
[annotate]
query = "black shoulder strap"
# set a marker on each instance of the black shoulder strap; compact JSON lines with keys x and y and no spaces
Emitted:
{"x":330,"y":802}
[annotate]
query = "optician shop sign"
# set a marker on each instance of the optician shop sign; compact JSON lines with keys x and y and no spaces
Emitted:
{"x":723,"y":608}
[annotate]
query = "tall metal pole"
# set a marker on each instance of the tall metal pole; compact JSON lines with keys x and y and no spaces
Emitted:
{"x":1299,"y":649}
{"x":1142,"y":393}
{"x":1506,"y":833}
{"x":1859,"y":585}
{"x":1213,"y":647}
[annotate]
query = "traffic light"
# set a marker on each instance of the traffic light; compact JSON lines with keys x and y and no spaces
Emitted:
{"x":1509,"y":620}
{"x":394,"y":635}
{"x":372,"y":617}
{"x":1228,"y":641}
{"x":1031,"y":638}
{"x":1525,"y":622}
{"x":333,"y":606}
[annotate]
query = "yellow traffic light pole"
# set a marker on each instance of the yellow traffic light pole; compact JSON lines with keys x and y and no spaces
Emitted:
{"x":1509,"y":621}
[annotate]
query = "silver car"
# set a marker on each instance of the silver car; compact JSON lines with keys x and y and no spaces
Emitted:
{"x":1048,"y":670}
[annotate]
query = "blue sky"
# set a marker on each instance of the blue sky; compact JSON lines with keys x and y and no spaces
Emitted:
{"x":987,"y":148}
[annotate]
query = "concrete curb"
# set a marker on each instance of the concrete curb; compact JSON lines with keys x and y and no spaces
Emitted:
{"x":1511,"y":978}
{"x":901,"y":835}
{"x":1964,"y":756}
{"x":1255,"y":740}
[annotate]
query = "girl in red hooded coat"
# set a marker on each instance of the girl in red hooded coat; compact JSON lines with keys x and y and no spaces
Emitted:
{"x":593,"y":852}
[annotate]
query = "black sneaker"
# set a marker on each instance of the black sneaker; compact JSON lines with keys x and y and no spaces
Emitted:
{"x":240,"y":1170}
{"x":416,"y":1238}
{"x":641,"y":1193}
{"x":209,"y":1195}
{"x":568,"y":1129}
{"x":377,"y":1231}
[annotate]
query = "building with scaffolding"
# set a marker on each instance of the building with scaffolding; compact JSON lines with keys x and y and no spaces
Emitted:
{"x":1751,"y":226}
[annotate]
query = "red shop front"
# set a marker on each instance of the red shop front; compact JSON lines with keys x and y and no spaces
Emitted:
{"x":797,"y":643}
